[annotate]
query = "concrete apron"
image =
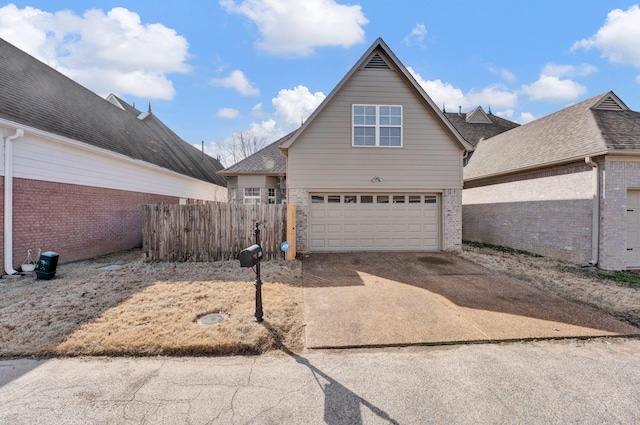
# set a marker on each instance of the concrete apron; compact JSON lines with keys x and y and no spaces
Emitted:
{"x":386,"y":299}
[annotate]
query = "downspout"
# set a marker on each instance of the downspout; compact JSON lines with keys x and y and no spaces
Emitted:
{"x":595,"y":227}
{"x":8,"y":201}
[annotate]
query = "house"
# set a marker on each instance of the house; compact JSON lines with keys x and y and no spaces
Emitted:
{"x":477,"y":125}
{"x":260,"y":178}
{"x":566,"y":185}
{"x":376,"y":167}
{"x":77,"y":168}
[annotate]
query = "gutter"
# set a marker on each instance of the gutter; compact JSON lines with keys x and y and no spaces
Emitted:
{"x":8,"y":201}
{"x":595,"y":227}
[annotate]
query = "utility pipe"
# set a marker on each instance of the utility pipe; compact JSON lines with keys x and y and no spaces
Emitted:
{"x":595,"y":227}
{"x":8,"y":201}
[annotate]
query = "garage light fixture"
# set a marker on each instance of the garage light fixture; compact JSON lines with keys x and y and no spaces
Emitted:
{"x":376,"y":179}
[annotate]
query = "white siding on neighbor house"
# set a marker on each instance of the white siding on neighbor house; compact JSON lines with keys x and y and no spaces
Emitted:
{"x":323,"y":157}
{"x":64,"y":161}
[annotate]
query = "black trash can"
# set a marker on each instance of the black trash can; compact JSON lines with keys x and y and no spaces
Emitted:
{"x":47,"y":263}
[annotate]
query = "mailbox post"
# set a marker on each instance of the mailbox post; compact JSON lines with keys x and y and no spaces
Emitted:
{"x":250,"y":257}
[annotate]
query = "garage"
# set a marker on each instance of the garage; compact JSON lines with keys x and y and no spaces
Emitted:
{"x":374,"y":222}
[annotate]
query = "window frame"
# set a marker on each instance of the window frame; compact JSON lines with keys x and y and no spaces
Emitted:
{"x":377,"y":126}
{"x":255,"y":198}
{"x":271,"y":195}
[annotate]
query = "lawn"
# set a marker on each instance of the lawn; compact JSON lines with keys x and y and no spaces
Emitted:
{"x":138,"y":308}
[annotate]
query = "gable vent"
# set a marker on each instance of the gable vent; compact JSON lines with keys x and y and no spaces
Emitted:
{"x":376,"y":62}
{"x":609,"y":104}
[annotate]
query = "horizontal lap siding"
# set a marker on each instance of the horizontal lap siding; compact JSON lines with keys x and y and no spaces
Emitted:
{"x":323,"y":158}
{"x":40,"y":159}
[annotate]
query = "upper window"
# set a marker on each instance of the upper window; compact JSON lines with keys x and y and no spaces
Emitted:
{"x":377,"y":125}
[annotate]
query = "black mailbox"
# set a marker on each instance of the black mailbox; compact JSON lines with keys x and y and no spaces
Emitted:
{"x":251,"y":256}
{"x":47,"y":264}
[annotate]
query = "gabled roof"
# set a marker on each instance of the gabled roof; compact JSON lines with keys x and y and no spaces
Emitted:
{"x":267,"y":161}
{"x":477,"y":125}
{"x":37,"y":96}
{"x":599,"y":125}
{"x":372,"y":59}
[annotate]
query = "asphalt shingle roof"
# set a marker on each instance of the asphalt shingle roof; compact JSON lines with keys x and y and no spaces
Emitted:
{"x":620,"y":129}
{"x":472,"y":132}
{"x":267,"y":160}
{"x":35,"y":95}
{"x":568,"y":134}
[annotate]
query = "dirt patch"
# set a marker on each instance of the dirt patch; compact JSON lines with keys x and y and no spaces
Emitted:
{"x":143,"y":308}
{"x":552,"y":275}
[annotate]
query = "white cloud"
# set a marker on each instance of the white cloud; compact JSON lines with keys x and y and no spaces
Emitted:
{"x":295,"y":105}
{"x":294,"y":27}
{"x":505,"y":74}
{"x":417,"y":35}
{"x":112,"y":52}
{"x":228,"y":113}
{"x":291,"y":106}
{"x":523,"y":118}
{"x":237,"y":81}
{"x":556,"y":70}
{"x":445,"y":94}
{"x":618,"y":38}
{"x":551,"y":88}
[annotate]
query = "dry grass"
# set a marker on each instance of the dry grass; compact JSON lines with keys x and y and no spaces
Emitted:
{"x":562,"y":279}
{"x":150,"y":309}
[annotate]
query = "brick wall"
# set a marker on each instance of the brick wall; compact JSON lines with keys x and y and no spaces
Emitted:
{"x":620,"y":177}
{"x":77,"y":222}
{"x":300,"y":198}
{"x":452,"y":220}
{"x":547,"y":212}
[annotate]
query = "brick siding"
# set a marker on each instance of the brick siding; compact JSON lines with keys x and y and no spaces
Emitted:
{"x":547,"y":212}
{"x":77,"y":222}
{"x":620,"y":177}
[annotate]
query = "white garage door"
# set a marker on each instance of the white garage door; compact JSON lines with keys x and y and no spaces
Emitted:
{"x":633,"y":229}
{"x":374,"y":222}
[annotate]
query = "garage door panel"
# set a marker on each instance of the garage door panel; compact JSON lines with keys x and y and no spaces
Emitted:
{"x":351,"y":226}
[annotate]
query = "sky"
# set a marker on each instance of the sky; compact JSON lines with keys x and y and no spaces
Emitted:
{"x":214,"y":68}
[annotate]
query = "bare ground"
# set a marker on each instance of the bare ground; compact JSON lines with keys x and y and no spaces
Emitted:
{"x":139,"y":308}
{"x":143,"y":308}
{"x":553,"y":276}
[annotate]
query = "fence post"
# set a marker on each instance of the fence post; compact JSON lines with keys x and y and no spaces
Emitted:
{"x":291,"y":232}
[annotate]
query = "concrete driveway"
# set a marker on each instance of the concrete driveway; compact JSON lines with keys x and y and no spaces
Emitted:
{"x":381,"y":299}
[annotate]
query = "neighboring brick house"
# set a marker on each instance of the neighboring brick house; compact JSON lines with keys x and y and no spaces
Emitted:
{"x":566,"y":185}
{"x":77,"y":168}
{"x":377,"y":166}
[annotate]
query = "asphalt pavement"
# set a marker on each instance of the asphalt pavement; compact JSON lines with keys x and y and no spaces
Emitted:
{"x":592,"y":381}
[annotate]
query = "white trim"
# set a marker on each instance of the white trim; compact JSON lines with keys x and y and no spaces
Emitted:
{"x":251,"y":198}
{"x":377,"y":126}
{"x":49,"y":157}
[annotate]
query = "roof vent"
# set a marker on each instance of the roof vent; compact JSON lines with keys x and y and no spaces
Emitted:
{"x":609,"y":103}
{"x":376,"y":62}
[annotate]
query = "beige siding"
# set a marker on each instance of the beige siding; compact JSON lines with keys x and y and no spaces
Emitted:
{"x":323,"y":158}
{"x":252,"y":181}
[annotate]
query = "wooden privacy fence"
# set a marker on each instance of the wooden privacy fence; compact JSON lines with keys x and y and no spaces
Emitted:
{"x":210,"y":232}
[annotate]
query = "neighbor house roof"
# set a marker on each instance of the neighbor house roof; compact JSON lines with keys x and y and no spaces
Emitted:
{"x":476,"y":125}
{"x":268,"y":160}
{"x":35,"y":95}
{"x":599,"y":125}
{"x":381,"y":46}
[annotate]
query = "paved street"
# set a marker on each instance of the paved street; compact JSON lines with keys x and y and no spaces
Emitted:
{"x":567,"y":381}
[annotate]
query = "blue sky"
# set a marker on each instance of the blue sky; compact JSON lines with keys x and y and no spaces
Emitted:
{"x":212,"y":68}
